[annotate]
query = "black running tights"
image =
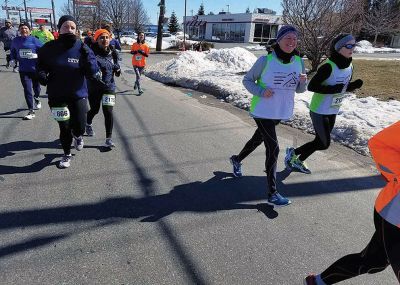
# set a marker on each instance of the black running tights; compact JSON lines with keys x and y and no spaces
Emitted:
{"x":383,"y":250}
{"x":323,"y":125}
{"x":266,"y":133}
{"x":75,"y":125}
{"x":95,"y":102}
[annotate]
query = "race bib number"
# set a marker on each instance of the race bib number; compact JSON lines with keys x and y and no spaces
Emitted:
{"x":60,"y":114}
{"x":138,"y":57}
{"x":27,"y":53}
{"x":108,"y":100}
{"x":337,"y":100}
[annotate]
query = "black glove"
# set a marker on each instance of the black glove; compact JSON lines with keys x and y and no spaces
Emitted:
{"x":337,"y":88}
{"x":134,"y":52}
{"x":354,"y":85}
{"x":141,"y":52}
{"x":42,"y":78}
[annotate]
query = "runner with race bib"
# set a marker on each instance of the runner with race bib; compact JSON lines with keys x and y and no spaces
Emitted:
{"x":103,"y":93}
{"x":329,"y":85}
{"x":24,"y":50}
{"x":140,"y":51}
{"x":64,"y":65}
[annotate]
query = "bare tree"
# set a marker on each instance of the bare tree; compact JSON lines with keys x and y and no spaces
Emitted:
{"x":114,"y":12}
{"x":319,"y":21}
{"x":138,"y":17}
{"x":85,"y":16}
{"x":382,"y":17}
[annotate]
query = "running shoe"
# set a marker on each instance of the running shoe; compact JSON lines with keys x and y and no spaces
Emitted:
{"x":237,"y":166}
{"x":140,"y":91}
{"x":30,"y":115}
{"x":65,"y":161}
{"x":310,"y":280}
{"x":289,"y":155}
{"x":296,"y":163}
{"x":109,"y":143}
{"x":15,"y":69}
{"x":135,"y":86}
{"x":38,"y":104}
{"x":78,"y":143}
{"x":89,"y":130}
{"x":278,"y":200}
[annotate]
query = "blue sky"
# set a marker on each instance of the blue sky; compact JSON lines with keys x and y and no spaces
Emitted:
{"x":235,"y":6}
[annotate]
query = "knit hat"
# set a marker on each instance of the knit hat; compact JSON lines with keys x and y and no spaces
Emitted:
{"x":64,"y":19}
{"x":284,"y":30}
{"x":7,"y":21}
{"x":99,"y":32}
{"x":24,"y":24}
{"x":341,"y":40}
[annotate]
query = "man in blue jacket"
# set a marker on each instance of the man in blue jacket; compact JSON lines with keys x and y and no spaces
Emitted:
{"x":24,"y":49}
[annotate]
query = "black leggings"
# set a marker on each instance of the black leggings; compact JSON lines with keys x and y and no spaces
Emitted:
{"x":95,"y":102}
{"x":75,"y":125}
{"x":266,"y":133}
{"x":323,"y":125}
{"x":383,"y":250}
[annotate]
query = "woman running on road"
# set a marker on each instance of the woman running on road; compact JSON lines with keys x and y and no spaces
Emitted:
{"x":103,"y":93}
{"x":329,"y":85}
{"x":63,"y":65}
{"x":140,"y":50}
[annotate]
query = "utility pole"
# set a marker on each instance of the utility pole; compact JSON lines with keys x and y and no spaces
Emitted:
{"x":54,"y":15}
{"x":6,"y":2}
{"x":160,"y":25}
{"x":228,"y":7}
{"x":26,"y":12}
{"x":184,"y":30}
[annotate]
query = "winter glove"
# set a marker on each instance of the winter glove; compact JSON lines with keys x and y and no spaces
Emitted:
{"x":337,"y":88}
{"x":42,"y":78}
{"x":134,"y":52}
{"x":354,"y":85}
{"x":141,"y":52}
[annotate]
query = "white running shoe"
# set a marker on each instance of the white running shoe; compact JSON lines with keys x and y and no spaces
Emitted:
{"x":38,"y":104}
{"x":30,"y":115}
{"x":78,"y":143}
{"x":65,"y":161}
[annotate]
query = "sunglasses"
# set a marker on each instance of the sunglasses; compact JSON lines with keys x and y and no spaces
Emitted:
{"x":349,"y":46}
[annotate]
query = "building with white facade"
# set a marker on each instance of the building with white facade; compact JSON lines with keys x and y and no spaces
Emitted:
{"x":243,"y":27}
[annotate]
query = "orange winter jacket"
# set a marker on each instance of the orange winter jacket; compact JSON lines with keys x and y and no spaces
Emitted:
{"x":140,"y":52}
{"x":385,"y":150}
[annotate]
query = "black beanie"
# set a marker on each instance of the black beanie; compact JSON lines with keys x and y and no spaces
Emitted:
{"x":24,"y":24}
{"x":64,"y":19}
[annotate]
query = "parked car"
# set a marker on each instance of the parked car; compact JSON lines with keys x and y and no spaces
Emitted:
{"x":150,"y":34}
{"x":129,"y":35}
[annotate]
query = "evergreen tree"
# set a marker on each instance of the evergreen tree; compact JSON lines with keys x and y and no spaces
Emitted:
{"x":248,"y":10}
{"x":201,"y":10}
{"x":173,"y":24}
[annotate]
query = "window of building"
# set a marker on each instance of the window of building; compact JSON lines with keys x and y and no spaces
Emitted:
{"x":228,"y":32}
{"x":264,"y":32}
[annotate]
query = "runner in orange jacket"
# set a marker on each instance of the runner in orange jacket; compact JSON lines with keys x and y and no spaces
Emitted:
{"x":140,"y":50}
{"x":384,"y":248}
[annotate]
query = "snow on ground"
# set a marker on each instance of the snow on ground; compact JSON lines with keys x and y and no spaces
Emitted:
{"x":220,"y":72}
{"x":366,"y":47}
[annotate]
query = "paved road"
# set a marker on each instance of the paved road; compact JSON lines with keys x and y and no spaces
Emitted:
{"x":163,"y":207}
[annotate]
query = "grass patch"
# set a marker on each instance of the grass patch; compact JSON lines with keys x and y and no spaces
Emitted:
{"x":381,"y":78}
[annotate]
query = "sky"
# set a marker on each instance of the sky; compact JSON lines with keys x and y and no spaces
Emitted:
{"x":235,"y":6}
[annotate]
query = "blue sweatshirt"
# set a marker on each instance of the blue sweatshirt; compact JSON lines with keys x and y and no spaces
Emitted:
{"x":24,"y":50}
{"x":64,"y":67}
{"x":107,"y":60}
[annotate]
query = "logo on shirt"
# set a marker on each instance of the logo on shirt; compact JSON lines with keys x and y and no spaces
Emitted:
{"x":285,"y":80}
{"x":73,"y":60}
